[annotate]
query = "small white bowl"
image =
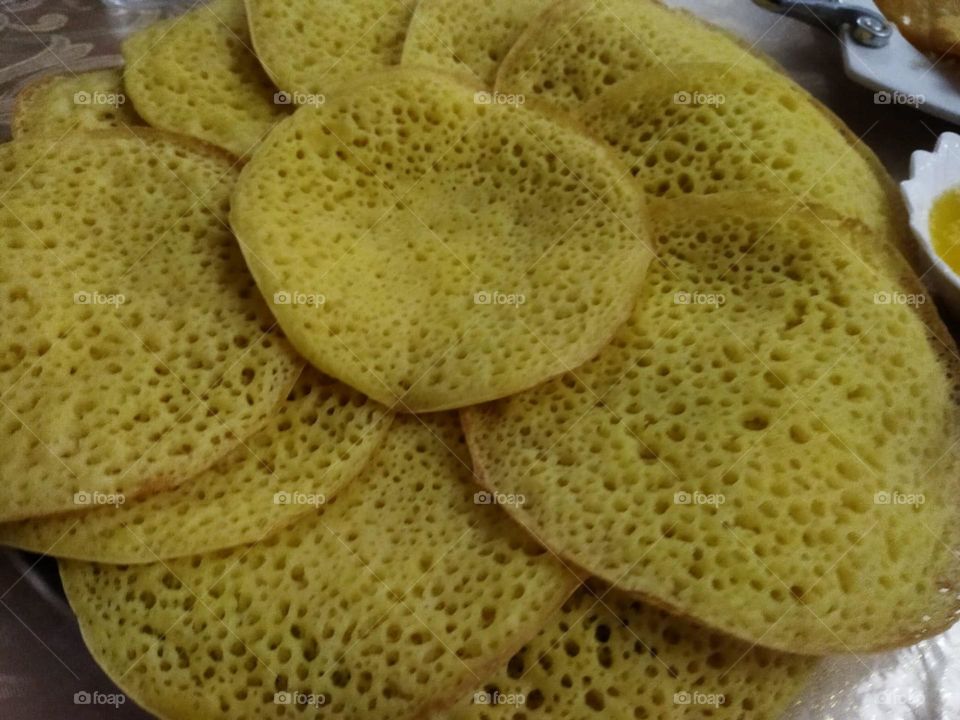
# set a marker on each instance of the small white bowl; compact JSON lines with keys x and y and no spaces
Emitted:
{"x":931,"y":175}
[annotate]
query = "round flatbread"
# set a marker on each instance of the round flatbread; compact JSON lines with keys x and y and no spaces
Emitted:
{"x":607,"y":655}
{"x":767,"y":446}
{"x":321,"y":439}
{"x":388,"y":604}
{"x":698,"y":130}
{"x":196,"y":74}
{"x":470,"y":39}
{"x":310,"y":47}
{"x":136,"y":348}
{"x":434,"y":251}
{"x":579,"y":49}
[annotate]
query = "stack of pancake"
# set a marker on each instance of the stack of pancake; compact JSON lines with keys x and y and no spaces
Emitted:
{"x":538,"y":359}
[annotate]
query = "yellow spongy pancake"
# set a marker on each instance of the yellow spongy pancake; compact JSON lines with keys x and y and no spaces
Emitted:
{"x":58,"y":104}
{"x":767,"y":445}
{"x":579,"y":49}
{"x":321,"y":439}
{"x":434,"y":251}
{"x":471,"y":38}
{"x":136,"y":348}
{"x":197,"y":75}
{"x":309,"y":47}
{"x":699,"y":130}
{"x":392,"y":601}
{"x":607,"y":655}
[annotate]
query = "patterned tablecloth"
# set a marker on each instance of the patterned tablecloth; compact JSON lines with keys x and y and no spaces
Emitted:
{"x":43,"y":662}
{"x":39,"y":37}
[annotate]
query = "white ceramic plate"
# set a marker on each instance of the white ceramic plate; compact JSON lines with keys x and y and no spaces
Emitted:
{"x":931,"y":175}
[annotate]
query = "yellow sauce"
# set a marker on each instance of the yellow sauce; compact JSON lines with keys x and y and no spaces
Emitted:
{"x":945,"y":228}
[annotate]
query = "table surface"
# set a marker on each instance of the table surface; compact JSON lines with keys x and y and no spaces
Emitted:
{"x":42,"y":659}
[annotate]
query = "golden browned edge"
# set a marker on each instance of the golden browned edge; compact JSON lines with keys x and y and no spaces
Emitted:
{"x":236,"y":439}
{"x":18,"y":121}
{"x":474,"y":417}
{"x":17,"y":118}
{"x":286,"y":380}
{"x":286,"y":521}
{"x":644,"y":255}
{"x":163,"y":483}
{"x":153,"y":134}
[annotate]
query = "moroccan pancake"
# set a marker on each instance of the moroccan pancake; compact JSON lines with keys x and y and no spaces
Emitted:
{"x":699,"y":131}
{"x":607,"y":655}
{"x":435,"y":252}
{"x":766,"y":446}
{"x":578,"y":49}
{"x":321,"y":439}
{"x":197,"y":75}
{"x":389,"y":603}
{"x":310,"y":48}
{"x":136,"y":348}
{"x":59,"y":104}
{"x":469,"y":38}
